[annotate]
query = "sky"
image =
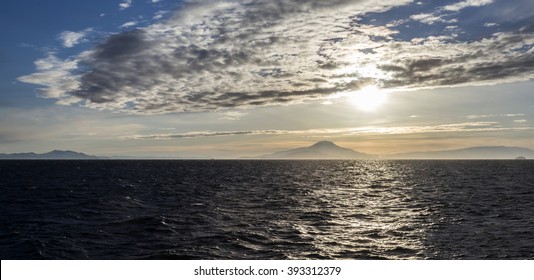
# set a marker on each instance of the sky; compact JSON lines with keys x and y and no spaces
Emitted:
{"x":230,"y":79}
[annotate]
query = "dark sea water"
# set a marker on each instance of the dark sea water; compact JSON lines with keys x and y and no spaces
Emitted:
{"x":266,"y":209}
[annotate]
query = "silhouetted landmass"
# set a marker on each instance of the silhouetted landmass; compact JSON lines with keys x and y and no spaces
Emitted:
{"x":489,"y":152}
{"x":55,"y":154}
{"x":329,"y":150}
{"x":320,"y":150}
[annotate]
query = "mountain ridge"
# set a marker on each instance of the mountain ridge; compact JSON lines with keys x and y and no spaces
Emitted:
{"x":477,"y":152}
{"x":329,"y":150}
{"x":322,"y":150}
{"x":55,"y":154}
{"x":319,"y":150}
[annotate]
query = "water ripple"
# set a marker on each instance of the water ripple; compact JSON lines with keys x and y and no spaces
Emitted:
{"x":267,"y":209}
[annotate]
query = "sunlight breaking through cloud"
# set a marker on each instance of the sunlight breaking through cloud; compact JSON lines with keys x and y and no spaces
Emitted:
{"x":212,"y":56}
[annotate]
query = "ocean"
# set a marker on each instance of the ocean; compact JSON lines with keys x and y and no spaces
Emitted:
{"x":272,"y":209}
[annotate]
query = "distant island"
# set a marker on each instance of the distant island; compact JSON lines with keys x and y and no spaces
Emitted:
{"x":329,"y":150}
{"x":319,"y":150}
{"x":55,"y":154}
{"x":484,"y":152}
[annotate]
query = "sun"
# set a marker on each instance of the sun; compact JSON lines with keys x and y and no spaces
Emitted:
{"x":368,"y":99}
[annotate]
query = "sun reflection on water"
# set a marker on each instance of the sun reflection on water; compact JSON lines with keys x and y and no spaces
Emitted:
{"x":367,"y":213}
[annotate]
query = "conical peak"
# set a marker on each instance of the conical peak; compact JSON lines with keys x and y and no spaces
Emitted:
{"x":324,"y":144}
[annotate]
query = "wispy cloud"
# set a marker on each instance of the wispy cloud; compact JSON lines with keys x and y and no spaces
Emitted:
{"x":129,"y":24}
{"x":196,"y":134}
{"x":368,"y":130}
{"x":55,"y":76}
{"x":70,"y":38}
{"x":494,"y":115}
{"x":125,"y":4}
{"x":211,"y":56}
{"x":446,"y":14}
{"x":467,"y":3}
{"x":159,"y":14}
{"x":432,"y":18}
{"x":233,"y":115}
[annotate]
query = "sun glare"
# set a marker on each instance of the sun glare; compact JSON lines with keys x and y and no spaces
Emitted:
{"x":368,"y":99}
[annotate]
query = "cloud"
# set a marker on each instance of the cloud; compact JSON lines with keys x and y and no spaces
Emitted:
{"x":490,"y":24}
{"x":159,"y":14}
{"x":233,"y":115}
{"x":70,"y":38}
{"x":468,"y":3}
{"x":472,"y":117}
{"x":399,"y":130}
{"x":125,"y":4}
{"x":196,"y":134}
{"x":504,"y":57}
{"x":431,"y":18}
{"x":211,"y":56}
{"x":55,"y":76}
{"x":443,"y":14}
{"x":129,"y":24}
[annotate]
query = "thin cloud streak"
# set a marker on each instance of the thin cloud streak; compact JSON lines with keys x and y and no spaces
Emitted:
{"x":454,"y":127}
{"x":471,"y":117}
{"x":468,"y":3}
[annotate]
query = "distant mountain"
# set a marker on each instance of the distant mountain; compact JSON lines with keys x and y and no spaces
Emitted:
{"x":319,"y":150}
{"x":55,"y":154}
{"x":486,"y":152}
